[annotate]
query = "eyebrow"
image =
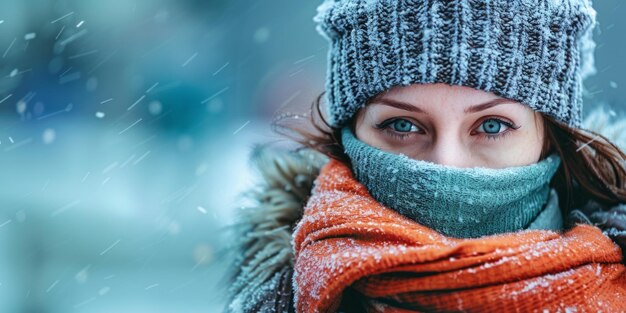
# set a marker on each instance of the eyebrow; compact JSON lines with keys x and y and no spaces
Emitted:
{"x":412,"y":108}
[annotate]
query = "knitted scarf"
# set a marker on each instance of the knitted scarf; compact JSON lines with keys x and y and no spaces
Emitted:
{"x":458,"y":202}
{"x":348,"y":241}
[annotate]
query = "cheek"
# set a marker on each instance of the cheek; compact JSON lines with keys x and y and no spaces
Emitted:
{"x":534,"y":143}
{"x":520,"y":147}
{"x":370,"y":136}
{"x":364,"y":132}
{"x":524,"y":150}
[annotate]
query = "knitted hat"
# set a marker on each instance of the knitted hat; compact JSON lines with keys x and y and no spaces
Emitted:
{"x":536,"y":52}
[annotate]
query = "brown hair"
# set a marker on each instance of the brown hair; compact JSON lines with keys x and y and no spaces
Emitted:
{"x":591,"y":166}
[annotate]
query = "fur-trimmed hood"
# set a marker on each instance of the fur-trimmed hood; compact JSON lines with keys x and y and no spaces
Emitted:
{"x":260,"y":277}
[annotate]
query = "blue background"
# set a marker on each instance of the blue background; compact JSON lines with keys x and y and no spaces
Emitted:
{"x":125,"y":128}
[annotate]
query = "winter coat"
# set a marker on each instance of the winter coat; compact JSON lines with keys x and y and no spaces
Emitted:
{"x":261,"y":275}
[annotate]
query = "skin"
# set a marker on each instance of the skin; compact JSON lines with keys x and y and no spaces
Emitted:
{"x":444,"y":133}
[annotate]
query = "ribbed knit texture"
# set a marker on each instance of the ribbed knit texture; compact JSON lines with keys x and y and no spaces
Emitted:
{"x":347,"y":239}
{"x":536,"y":52}
{"x":457,"y":202}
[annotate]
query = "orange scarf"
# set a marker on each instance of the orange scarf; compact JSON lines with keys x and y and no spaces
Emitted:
{"x":346,"y":239}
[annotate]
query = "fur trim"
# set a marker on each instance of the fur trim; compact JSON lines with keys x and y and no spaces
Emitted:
{"x":262,"y":246}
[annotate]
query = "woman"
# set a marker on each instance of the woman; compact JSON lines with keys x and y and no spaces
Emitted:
{"x":453,"y":171}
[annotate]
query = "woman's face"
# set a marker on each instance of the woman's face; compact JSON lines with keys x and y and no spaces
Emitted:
{"x":452,"y":125}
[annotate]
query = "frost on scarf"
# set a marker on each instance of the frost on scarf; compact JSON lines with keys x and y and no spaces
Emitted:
{"x":259,"y":279}
{"x":346,"y":239}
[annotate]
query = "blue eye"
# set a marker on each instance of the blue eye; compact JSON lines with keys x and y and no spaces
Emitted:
{"x":492,"y":126}
{"x":402,"y":126}
{"x":403,"y":129}
{"x":398,"y":128}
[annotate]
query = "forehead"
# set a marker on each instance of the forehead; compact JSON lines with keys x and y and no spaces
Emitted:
{"x":441,"y":100}
{"x":435,"y":93}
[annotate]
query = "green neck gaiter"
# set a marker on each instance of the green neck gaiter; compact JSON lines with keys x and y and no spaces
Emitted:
{"x":458,"y":202}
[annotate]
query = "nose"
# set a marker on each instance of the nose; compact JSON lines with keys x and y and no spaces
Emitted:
{"x":448,"y":150}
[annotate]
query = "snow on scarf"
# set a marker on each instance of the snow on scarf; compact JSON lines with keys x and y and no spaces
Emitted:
{"x":347,"y":240}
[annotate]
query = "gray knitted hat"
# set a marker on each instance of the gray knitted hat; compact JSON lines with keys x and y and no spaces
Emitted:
{"x":536,"y":52}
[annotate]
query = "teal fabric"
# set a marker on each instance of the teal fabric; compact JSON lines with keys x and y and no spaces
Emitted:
{"x":550,"y":217}
{"x":458,"y":202}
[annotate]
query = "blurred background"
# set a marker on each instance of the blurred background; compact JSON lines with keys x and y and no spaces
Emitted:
{"x":125,"y":128}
